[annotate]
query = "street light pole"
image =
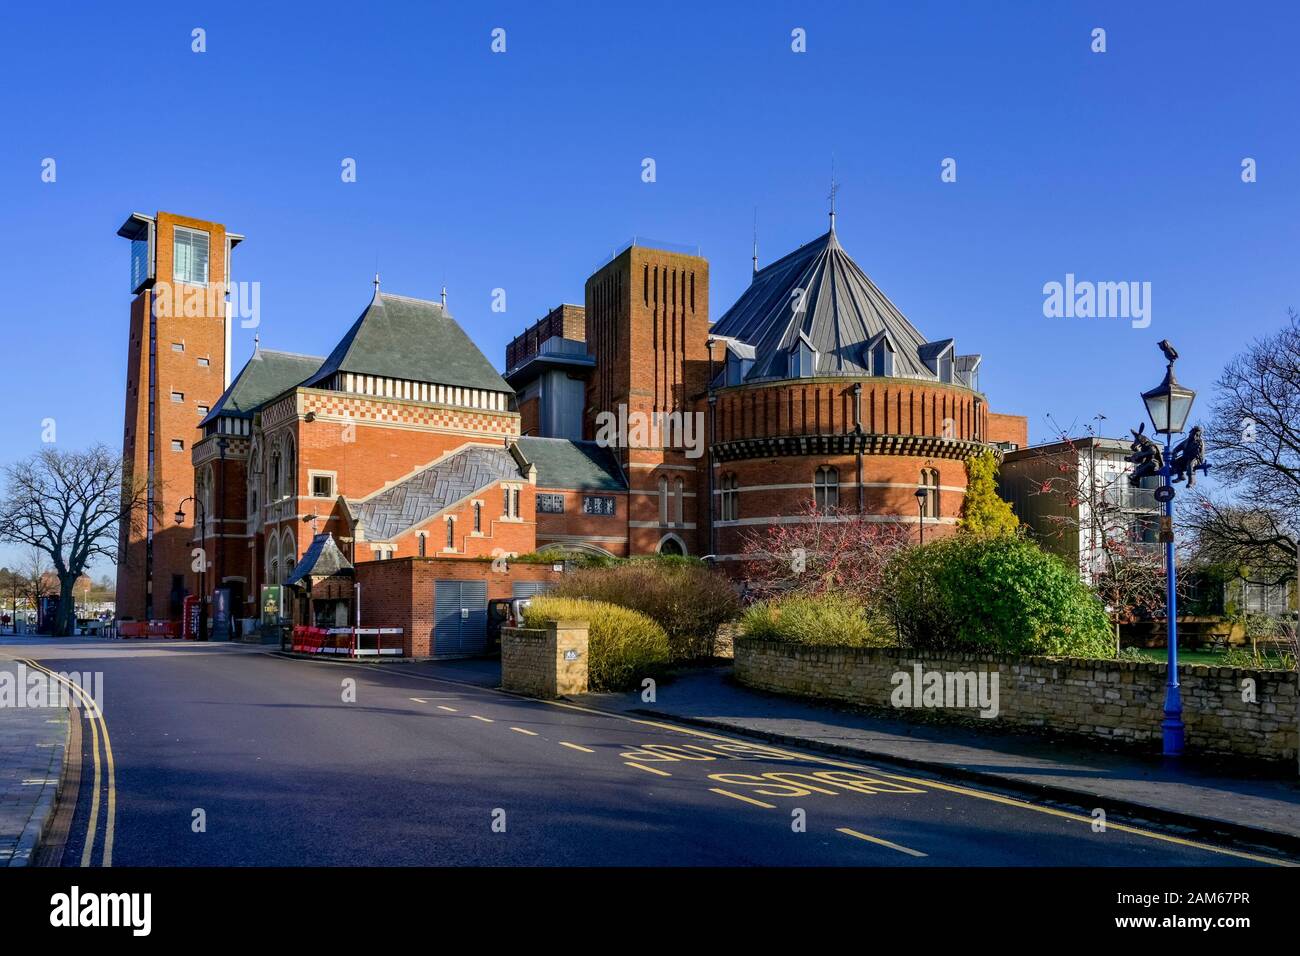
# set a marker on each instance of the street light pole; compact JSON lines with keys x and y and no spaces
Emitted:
{"x":1172,"y":726}
{"x":920,"y":512}
{"x":202,"y":515}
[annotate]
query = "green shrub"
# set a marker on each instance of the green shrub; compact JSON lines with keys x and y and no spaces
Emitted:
{"x":624,"y":646}
{"x":826,"y":619}
{"x":1002,"y":594}
{"x":686,"y":598}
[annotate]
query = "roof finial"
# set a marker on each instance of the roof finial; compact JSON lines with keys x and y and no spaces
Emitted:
{"x":755,"y":240}
{"x":444,"y":297}
{"x":257,"y":342}
{"x":376,"y":283}
{"x":835,"y":187}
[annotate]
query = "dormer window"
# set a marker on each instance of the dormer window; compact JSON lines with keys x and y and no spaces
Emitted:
{"x":803,"y":359}
{"x":945,"y":367}
{"x":882,"y":358}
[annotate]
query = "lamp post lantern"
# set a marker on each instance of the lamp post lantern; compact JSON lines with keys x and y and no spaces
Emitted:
{"x":1169,"y":405}
{"x":202,"y":515}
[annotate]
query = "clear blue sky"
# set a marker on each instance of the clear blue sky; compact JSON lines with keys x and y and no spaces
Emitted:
{"x":523,"y":171}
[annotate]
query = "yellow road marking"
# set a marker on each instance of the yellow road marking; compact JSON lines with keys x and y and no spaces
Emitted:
{"x":442,"y":707}
{"x":870,"y":839}
{"x":486,"y":720}
{"x":639,"y":766}
{"x":831,"y":762}
{"x":97,"y":723}
{"x":586,"y":750}
{"x":520,"y":730}
{"x":737,"y":796}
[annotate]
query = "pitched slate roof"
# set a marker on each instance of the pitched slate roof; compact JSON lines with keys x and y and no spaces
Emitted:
{"x":573,"y":465}
{"x":413,"y":339}
{"x":842,"y":312}
{"x":267,"y":374}
{"x":440,"y":485}
{"x":321,"y":559}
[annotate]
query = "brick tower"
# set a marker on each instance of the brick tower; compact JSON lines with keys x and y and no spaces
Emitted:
{"x":178,"y":361}
{"x":647,"y":316}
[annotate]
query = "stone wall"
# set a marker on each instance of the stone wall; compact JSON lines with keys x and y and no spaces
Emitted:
{"x":545,"y":662}
{"x":1120,"y":701}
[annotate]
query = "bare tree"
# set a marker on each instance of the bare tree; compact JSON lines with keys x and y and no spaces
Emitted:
{"x":1254,"y":431}
{"x":69,"y":506}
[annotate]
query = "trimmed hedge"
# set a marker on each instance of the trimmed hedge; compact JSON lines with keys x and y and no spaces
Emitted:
{"x":826,"y":619}
{"x":1003,"y":594}
{"x":624,"y":646}
{"x":683,"y":595}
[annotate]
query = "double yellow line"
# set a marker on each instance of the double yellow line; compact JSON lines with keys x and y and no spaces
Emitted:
{"x":98,"y":730}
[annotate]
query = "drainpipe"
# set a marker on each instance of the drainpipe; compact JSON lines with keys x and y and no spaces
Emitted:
{"x":713,"y":533}
{"x":857,"y":431}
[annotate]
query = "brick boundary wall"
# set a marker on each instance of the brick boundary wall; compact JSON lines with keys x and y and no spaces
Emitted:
{"x":1118,"y":701}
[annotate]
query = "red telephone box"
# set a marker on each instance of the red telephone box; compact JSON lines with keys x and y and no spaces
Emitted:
{"x":193,"y":607}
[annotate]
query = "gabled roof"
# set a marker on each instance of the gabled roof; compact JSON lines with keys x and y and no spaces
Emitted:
{"x":264,"y":376}
{"x":322,"y":559}
{"x":842,"y":310}
{"x":413,"y":339}
{"x":432,"y":489}
{"x":573,"y":465}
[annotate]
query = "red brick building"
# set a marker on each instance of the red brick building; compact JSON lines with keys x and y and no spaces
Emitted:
{"x":628,"y":425}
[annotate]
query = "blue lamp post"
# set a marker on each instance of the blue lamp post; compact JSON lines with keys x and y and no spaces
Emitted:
{"x":1168,"y":405}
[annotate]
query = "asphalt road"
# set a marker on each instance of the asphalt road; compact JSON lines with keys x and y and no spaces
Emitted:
{"x":284,"y":765}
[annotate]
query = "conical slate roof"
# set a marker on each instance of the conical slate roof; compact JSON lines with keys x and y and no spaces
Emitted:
{"x":843,"y":313}
{"x":413,"y":339}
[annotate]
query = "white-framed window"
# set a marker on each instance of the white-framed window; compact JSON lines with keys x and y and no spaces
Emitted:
{"x":510,"y":500}
{"x":826,"y":488}
{"x":178,"y":346}
{"x":178,"y":397}
{"x":204,"y":362}
{"x":190,"y":256}
{"x":322,"y":484}
{"x":178,"y":444}
{"x":203,"y":409}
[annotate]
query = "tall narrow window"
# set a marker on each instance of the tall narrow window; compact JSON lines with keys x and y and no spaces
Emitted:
{"x":478,"y":517}
{"x":930,"y":483}
{"x":505,"y":510}
{"x":451,"y":535}
{"x":663,"y":500}
{"x":422,"y":544}
{"x":514,"y":502}
{"x":730,"y":497}
{"x":826,"y":488}
{"x":679,"y":499}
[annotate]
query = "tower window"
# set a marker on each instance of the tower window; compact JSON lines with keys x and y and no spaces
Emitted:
{"x":730,"y":497}
{"x":190,"y":256}
{"x":826,"y":488}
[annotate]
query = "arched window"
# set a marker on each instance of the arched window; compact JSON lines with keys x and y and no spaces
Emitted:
{"x":671,"y":544}
{"x":826,"y":488}
{"x":930,"y":484}
{"x":290,"y":470}
{"x":679,"y":499}
{"x":730,"y":497}
{"x":288,"y":555}
{"x":254,"y":472}
{"x":273,"y":476}
{"x":663,"y":500}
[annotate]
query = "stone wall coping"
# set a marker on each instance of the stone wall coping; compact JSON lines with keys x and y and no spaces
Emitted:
{"x":988,"y":657}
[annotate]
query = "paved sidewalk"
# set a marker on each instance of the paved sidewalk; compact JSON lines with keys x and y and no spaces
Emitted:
{"x":31,"y":763}
{"x":1243,"y":804}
